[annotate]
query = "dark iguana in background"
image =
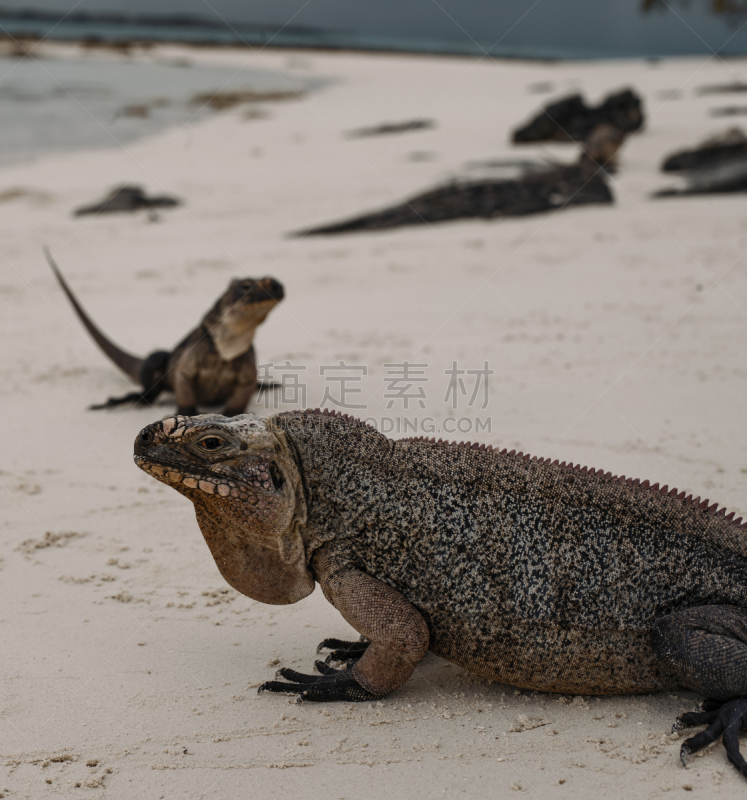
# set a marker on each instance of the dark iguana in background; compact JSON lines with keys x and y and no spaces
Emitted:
{"x":213,"y":364}
{"x":540,"y":575}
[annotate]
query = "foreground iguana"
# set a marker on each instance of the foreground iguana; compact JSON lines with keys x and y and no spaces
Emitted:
{"x":215,"y":363}
{"x":540,"y":575}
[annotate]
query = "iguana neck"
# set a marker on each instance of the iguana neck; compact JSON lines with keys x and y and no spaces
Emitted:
{"x":339,"y":459}
{"x":234,"y":340}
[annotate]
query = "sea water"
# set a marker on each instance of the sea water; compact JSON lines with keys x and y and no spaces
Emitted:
{"x":509,"y":28}
{"x":63,"y":104}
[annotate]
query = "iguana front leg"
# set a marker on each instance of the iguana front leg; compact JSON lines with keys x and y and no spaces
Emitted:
{"x":186,"y":398}
{"x":706,"y":647}
{"x":397,"y":633}
{"x":239,"y":399}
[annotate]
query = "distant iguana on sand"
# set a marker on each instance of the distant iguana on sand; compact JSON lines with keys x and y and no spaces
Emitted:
{"x":213,"y":364}
{"x":540,"y":575}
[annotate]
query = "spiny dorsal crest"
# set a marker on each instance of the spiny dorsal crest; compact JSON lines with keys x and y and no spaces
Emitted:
{"x":684,"y":498}
{"x":569,"y":466}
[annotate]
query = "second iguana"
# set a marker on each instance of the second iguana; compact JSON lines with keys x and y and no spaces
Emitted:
{"x":214,"y":364}
{"x":527,"y":571}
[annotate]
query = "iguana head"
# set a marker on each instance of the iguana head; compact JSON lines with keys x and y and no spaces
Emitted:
{"x":246,"y":488}
{"x":236,"y":314}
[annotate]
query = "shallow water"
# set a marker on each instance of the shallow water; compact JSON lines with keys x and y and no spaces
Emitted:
{"x":56,"y":105}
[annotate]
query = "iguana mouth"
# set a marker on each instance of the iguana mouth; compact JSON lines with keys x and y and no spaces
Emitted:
{"x":210,"y":483}
{"x":268,"y":478}
{"x":263,"y":290}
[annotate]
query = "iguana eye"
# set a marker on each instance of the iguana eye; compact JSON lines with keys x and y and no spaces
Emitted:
{"x":211,"y":442}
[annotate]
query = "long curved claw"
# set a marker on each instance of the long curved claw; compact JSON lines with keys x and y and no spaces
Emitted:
{"x":324,"y":668}
{"x":342,"y":644}
{"x":295,"y":677}
{"x":280,"y":687}
{"x":727,"y":720}
{"x":342,"y":651}
{"x":334,"y":685}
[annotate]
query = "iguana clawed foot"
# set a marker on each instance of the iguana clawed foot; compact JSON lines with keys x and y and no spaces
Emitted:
{"x":332,"y":684}
{"x":727,"y":719}
{"x":139,"y":398}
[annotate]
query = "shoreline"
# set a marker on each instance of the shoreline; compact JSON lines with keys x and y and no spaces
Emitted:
{"x":131,"y":47}
{"x":126,"y":45}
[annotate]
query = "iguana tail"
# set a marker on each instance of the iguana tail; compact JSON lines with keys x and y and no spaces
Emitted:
{"x":129,"y":364}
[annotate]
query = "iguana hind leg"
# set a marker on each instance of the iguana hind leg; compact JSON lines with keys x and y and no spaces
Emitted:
{"x":152,"y":376}
{"x":397,"y":639}
{"x":113,"y":402}
{"x":706,"y":648}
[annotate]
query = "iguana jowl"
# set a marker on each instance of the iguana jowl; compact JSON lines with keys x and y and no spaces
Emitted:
{"x":214,"y":364}
{"x":541,"y":575}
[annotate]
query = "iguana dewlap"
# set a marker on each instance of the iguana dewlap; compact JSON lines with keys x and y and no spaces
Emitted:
{"x":540,"y":575}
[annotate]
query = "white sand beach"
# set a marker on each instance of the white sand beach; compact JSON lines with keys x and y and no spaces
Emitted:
{"x":616,"y":339}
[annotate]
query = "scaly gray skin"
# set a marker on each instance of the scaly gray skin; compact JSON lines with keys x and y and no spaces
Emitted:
{"x":541,"y":575}
{"x":215,"y":363}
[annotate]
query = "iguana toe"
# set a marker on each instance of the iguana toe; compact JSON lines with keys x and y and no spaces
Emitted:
{"x":353,"y":692}
{"x":694,"y":719}
{"x":342,"y":651}
{"x":280,"y":687}
{"x":295,"y":677}
{"x":324,"y":668}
